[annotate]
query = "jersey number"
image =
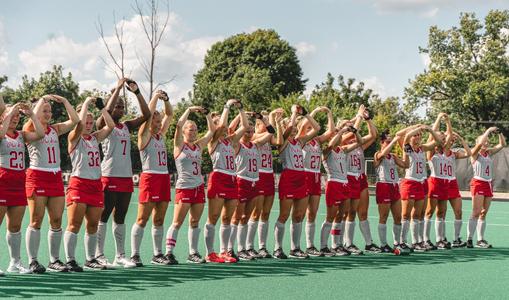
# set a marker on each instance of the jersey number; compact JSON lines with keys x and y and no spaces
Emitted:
{"x":52,"y":158}
{"x":315,"y":162}
{"x":392,"y":173}
{"x":355,"y":162}
{"x":298,"y":161}
{"x":16,"y":160}
{"x":253,"y":167}
{"x":267,"y":161}
{"x":419,"y":168}
{"x":124,"y":145}
{"x":445,"y":169}
{"x":93,"y":159}
{"x":230,"y":163}
{"x":196,"y":171}
{"x":161,"y":156}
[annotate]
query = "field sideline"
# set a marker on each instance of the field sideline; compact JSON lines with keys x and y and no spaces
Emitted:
{"x":458,"y":273}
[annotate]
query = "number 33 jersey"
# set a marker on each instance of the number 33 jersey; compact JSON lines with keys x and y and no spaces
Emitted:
{"x":117,"y":153}
{"x":85,"y":159}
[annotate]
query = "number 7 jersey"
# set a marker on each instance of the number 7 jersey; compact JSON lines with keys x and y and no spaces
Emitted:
{"x":117,"y":153}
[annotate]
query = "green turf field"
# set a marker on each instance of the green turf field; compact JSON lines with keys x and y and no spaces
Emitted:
{"x":455,"y":273}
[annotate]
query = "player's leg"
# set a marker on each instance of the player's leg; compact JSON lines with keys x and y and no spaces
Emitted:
{"x":92,"y":217}
{"x":75,"y":214}
{"x":285,"y":207}
{"x":119,"y":229}
{"x":138,"y":229}
{"x":37,"y":208}
{"x":195,"y":213}
{"x":110,"y":200}
{"x":14,"y":219}
{"x":214,"y":211}
{"x":481,"y":224}
{"x":312,"y":210}
{"x":55,"y":206}
{"x":179,"y":215}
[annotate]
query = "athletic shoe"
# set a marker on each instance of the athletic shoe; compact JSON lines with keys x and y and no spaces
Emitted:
{"x":373,"y":248}
{"x":312,"y":251}
{"x":136,"y":259}
{"x":447,"y":243}
{"x":231,"y":253}
{"x":17,"y":267}
{"x":94,"y":264}
{"x":73,"y":266}
{"x":253,"y":253}
{"x":279,"y":254}
{"x":123,"y":261}
{"x":418,"y":247}
{"x":483,"y":244}
{"x":470,"y":244}
{"x":227,"y":258}
{"x":195,"y":258}
{"x":243,"y":255}
{"x":171,"y":259}
{"x":340,"y":251}
{"x":354,"y":250}
{"x":327,"y":252}
{"x":101,"y":259}
{"x":386,"y":249}
{"x":406,"y":248}
{"x":263,"y":253}
{"x":429,"y":245}
{"x":458,"y":243}
{"x":297,"y":253}
{"x":159,"y":259}
{"x":58,"y":266}
{"x":441,"y":245}
{"x":213,"y":258}
{"x":36,"y":267}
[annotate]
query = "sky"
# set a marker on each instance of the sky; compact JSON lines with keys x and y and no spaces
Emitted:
{"x":374,"y":41}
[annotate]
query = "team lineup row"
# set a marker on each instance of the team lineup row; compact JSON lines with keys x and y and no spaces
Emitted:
{"x":241,"y":187}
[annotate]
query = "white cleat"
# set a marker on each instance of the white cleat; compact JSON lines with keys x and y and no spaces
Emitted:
{"x":104,"y":261}
{"x":17,"y":267}
{"x":123,"y":261}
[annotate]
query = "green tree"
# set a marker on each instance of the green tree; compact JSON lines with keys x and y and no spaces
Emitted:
{"x":468,"y":74}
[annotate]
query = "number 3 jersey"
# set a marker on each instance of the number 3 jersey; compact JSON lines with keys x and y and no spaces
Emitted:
{"x":12,"y":152}
{"x":45,"y":153}
{"x":117,"y":153}
{"x":85,"y":159}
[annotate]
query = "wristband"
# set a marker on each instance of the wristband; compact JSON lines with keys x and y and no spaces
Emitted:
{"x":270,"y":129}
{"x":226,"y":106}
{"x":304,"y":111}
{"x":352,"y":129}
{"x":241,"y":106}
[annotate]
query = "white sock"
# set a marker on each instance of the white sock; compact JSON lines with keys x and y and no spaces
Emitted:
{"x":136,"y":237}
{"x":101,"y":238}
{"x":481,"y":227}
{"x":341,"y":233}
{"x":405,"y":225}
{"x":33,"y":240}
{"x":171,"y":238}
{"x":336,"y":233}
{"x":224,"y":236}
{"x":251,"y":231}
{"x":14,"y":245}
{"x":295,"y":232}
{"x":279,"y":233}
{"x":54,"y":241}
{"x":70,"y":241}
{"x":90,"y":245}
{"x":420,"y":235}
{"x":192,"y":237}
{"x":396,"y":233}
{"x":263,"y":230}
{"x":427,"y":229}
{"x":457,"y":228}
{"x":442,"y":229}
{"x":350,"y":230}
{"x":157,"y":239}
{"x":366,"y":232}
{"x":414,"y":229}
{"x":437,"y":230}
{"x":119,"y":234}
{"x":209,"y":233}
{"x":241,"y":237}
{"x":233,"y":236}
{"x":324,"y":234}
{"x":382,"y":234}
{"x":310,"y":234}
{"x":472,"y":224}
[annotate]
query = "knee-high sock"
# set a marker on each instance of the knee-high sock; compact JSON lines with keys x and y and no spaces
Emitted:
{"x":472,"y":224}
{"x":396,"y":234}
{"x":342,"y":233}
{"x":337,"y":234}
{"x":119,"y":234}
{"x":457,"y":228}
{"x":295,"y":232}
{"x":251,"y":231}
{"x":33,"y":240}
{"x":279,"y":234}
{"x":193,"y":236}
{"x":324,"y":234}
{"x":405,"y":225}
{"x":137,"y":233}
{"x":440,"y":229}
{"x":241,"y":237}
{"x":310,"y":234}
{"x":414,"y":228}
{"x":54,"y":241}
{"x":209,"y":233}
{"x":349,"y":230}
{"x":421,"y":231}
{"x":157,"y":239}
{"x":224,"y":236}
{"x":14,"y":245}
{"x":101,"y":238}
{"x":481,"y":228}
{"x":427,"y":229}
{"x":382,"y":234}
{"x":90,"y":245}
{"x":263,"y":230}
{"x":366,"y":232}
{"x":70,"y":241}
{"x":233,"y":236}
{"x":171,"y":238}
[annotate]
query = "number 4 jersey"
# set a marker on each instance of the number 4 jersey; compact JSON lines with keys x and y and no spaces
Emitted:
{"x":85,"y":159}
{"x":117,"y":153}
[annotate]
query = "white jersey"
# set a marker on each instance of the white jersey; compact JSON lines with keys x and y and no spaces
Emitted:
{"x":356,"y":162}
{"x":12,"y":152}
{"x":292,"y":156}
{"x":387,"y":171}
{"x":247,"y":162}
{"x":85,"y":159}
{"x":312,"y":156}
{"x":336,"y":166}
{"x":417,"y":170}
{"x":265,"y":159}
{"x":154,"y":158}
{"x":440,"y":166}
{"x":117,"y":153}
{"x":188,"y":164}
{"x":223,"y":158}
{"x":45,"y":153}
{"x":483,"y":167}
{"x":451,"y":161}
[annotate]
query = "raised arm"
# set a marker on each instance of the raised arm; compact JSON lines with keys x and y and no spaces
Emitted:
{"x":112,"y":101}
{"x":168,"y":116}
{"x":202,"y":142}
{"x":462,"y":154}
{"x":402,"y":133}
{"x":370,"y":138}
{"x":133,"y":124}
{"x":501,"y":144}
{"x":291,"y":123}
{"x":178,"y":139}
{"x":2,"y":105}
{"x":358,"y":138}
{"x":74,"y":119}
{"x":144,"y":132}
{"x":315,"y":128}
{"x":330,"y":124}
{"x":7,"y":120}
{"x":104,"y":132}
{"x":265,"y":137}
{"x":334,"y":142}
{"x":481,"y":140}
{"x":237,"y":135}
{"x":379,"y":156}
{"x":275,"y":118}
{"x":38,"y":133}
{"x":75,"y":134}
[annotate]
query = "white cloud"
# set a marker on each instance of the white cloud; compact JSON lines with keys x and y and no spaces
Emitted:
{"x":305,"y":49}
{"x":426,"y":61}
{"x":376,"y":85}
{"x":423,"y":8}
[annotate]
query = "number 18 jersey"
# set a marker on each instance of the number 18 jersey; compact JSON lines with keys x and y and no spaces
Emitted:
{"x":223,"y":158}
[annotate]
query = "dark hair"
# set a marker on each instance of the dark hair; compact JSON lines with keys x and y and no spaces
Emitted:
{"x":384,"y":135}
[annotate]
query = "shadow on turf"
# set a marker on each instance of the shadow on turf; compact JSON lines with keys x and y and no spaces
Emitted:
{"x":91,"y":282}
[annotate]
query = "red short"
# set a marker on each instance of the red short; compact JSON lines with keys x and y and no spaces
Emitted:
{"x":354,"y":186}
{"x":363,"y":182}
{"x":154,"y":188}
{"x":454,"y":190}
{"x":438,"y":188}
{"x":86,"y":191}
{"x":222,"y":185}
{"x":193,"y":196}
{"x":314,"y":183}
{"x":118,"y":184}
{"x":12,"y":188}
{"x":335,"y":193}
{"x":292,"y":185}
{"x":247,"y":190}
{"x":413,"y":190}
{"x":386,"y":193}
{"x":480,"y":187}
{"x":266,"y":185}
{"x":42,"y":183}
